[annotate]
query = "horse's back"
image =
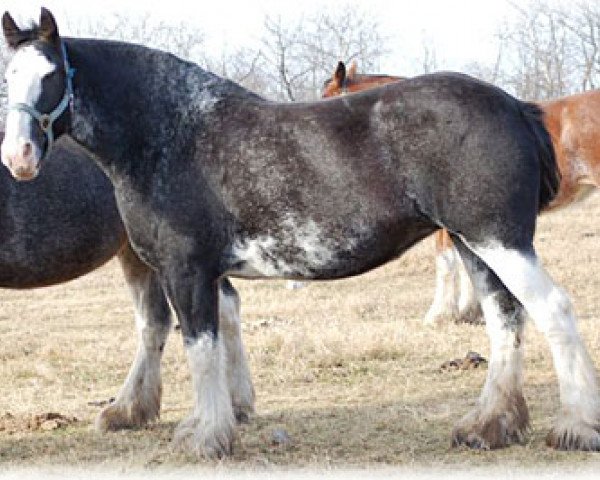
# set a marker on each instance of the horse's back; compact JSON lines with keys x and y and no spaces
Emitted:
{"x":369,"y":174}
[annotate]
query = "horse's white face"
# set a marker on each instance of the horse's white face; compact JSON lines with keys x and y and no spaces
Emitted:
{"x":22,"y":153}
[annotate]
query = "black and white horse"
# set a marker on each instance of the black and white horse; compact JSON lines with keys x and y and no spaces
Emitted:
{"x":213,"y":181}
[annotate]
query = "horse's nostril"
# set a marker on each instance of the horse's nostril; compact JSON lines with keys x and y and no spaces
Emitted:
{"x":27,"y":150}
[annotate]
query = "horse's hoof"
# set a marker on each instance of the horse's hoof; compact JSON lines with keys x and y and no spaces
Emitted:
{"x":471,"y":315}
{"x":576,"y":435}
{"x":436,"y":317}
{"x":242,"y":414}
{"x":117,"y":416}
{"x":489,"y":432}
{"x":194,"y":435}
{"x":243,"y":403}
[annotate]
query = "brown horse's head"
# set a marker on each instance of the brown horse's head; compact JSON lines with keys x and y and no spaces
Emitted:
{"x":342,"y":82}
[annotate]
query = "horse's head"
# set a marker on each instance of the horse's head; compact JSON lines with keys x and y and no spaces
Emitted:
{"x":339,"y":82}
{"x":39,"y":94}
{"x":342,"y":83}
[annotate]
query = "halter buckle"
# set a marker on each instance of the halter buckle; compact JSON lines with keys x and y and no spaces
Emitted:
{"x":45,"y":122}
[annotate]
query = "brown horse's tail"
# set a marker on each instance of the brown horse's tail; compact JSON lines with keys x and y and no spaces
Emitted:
{"x":549,"y":173}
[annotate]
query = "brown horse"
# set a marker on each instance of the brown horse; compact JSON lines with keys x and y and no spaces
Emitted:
{"x":350,"y":82}
{"x":573,"y":123}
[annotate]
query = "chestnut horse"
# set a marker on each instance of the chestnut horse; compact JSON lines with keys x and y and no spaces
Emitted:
{"x":347,"y":82}
{"x":212,"y":181}
{"x":573,"y":122}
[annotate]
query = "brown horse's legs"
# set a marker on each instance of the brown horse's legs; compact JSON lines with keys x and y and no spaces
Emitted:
{"x":455,"y":298}
{"x":445,"y":300}
{"x":138,"y":401}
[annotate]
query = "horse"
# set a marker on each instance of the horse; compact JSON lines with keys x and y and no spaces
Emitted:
{"x":66,"y":224}
{"x":343,"y":82}
{"x":213,"y":181}
{"x":573,"y":124}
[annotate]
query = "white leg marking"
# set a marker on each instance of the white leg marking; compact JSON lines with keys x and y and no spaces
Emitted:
{"x":138,"y":401}
{"x":209,"y":430}
{"x":506,"y":350}
{"x":501,"y":416}
{"x":445,"y":300}
{"x":238,"y":373}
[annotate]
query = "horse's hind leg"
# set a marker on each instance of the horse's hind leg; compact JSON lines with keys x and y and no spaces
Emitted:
{"x":501,"y":416}
{"x":138,"y":401}
{"x":238,"y":374}
{"x":578,"y":426}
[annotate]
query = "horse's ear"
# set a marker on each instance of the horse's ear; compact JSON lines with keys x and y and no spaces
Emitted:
{"x":12,"y":33}
{"x":340,"y":74}
{"x":352,"y":70}
{"x":48,"y":27}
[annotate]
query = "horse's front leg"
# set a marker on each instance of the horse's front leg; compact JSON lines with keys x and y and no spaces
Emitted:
{"x":138,"y":401}
{"x":209,"y":429}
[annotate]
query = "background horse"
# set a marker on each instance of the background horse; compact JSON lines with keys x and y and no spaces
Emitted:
{"x":212,"y":180}
{"x":347,"y":82}
{"x":573,"y":123}
{"x":64,"y":225}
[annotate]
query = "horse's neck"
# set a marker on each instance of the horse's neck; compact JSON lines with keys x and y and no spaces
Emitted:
{"x":129,"y":99}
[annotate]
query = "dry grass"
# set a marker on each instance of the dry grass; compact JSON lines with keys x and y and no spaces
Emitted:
{"x":345,"y":367}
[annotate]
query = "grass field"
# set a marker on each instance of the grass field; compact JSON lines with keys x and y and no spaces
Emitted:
{"x":346,"y":368}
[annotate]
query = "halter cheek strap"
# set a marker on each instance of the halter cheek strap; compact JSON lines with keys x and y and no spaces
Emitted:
{"x":46,"y":120}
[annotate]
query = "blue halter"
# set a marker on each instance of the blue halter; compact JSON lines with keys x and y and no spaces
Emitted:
{"x":46,"y":120}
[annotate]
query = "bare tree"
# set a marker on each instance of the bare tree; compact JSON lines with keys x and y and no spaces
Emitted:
{"x":181,"y":38}
{"x":298,"y":57}
{"x":554,"y":49}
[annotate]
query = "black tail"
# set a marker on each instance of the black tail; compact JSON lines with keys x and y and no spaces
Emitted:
{"x":549,"y":173}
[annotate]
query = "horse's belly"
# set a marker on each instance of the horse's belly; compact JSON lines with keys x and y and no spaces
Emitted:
{"x":311,"y":252}
{"x":272,"y":256}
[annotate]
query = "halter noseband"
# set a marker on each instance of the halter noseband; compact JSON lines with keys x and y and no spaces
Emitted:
{"x":46,"y":120}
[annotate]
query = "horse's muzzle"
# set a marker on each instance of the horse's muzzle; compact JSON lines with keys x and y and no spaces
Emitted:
{"x":21,"y":162}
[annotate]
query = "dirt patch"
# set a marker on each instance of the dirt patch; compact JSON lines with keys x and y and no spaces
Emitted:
{"x":471,"y":360}
{"x":10,"y":423}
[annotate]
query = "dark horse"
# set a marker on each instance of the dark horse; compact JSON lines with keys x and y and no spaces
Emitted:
{"x":212,"y":181}
{"x":65,"y":224}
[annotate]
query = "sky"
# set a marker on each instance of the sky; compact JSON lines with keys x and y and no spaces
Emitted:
{"x":461,"y":31}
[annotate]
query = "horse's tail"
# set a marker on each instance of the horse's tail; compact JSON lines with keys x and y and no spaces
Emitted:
{"x":549,"y":173}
